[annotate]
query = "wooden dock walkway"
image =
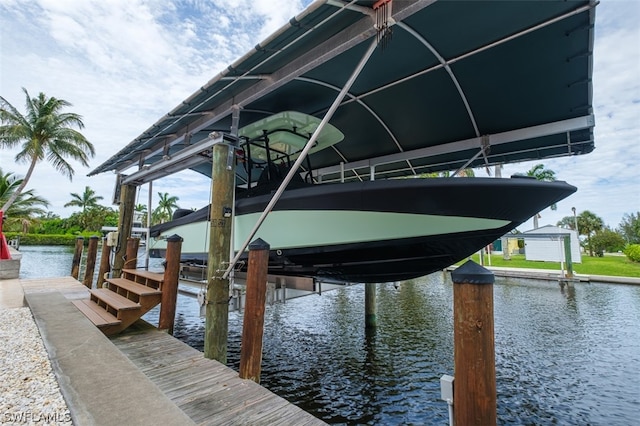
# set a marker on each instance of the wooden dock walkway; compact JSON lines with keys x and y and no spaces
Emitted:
{"x":209,"y":392}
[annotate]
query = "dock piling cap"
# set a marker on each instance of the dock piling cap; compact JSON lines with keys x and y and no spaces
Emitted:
{"x":472,"y":273}
{"x":175,"y":238}
{"x":259,"y":244}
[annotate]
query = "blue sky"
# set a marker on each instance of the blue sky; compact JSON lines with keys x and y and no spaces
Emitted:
{"x":125,"y":63}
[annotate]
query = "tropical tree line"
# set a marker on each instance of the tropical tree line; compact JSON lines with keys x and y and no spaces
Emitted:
{"x":28,"y":213}
{"x":600,"y":238}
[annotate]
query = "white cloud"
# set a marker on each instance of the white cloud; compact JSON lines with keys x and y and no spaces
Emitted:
{"x":122,"y":64}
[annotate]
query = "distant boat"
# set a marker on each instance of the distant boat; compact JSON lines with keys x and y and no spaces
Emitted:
{"x":137,"y":230}
{"x":371,"y":231}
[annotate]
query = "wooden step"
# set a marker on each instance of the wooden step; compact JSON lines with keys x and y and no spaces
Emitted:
{"x":113,"y":299}
{"x":146,"y":274}
{"x":96,"y":314}
{"x":141,"y":276}
{"x":132,"y":287}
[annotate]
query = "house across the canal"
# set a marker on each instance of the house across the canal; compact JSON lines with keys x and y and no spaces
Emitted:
{"x":547,"y":244}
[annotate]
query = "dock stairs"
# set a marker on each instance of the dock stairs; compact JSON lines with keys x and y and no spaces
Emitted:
{"x":122,"y":301}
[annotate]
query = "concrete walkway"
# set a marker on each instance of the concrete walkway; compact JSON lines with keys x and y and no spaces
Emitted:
{"x":12,"y":291}
{"x":100,"y":385}
{"x":11,"y":294}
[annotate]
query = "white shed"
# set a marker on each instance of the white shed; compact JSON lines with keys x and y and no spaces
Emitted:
{"x":547,"y":244}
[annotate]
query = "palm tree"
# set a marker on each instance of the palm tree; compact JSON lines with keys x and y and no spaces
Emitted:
{"x":567,"y":222}
{"x":588,"y":224}
{"x":87,"y":200}
{"x":166,"y":205}
{"x":540,"y":173}
{"x":43,"y":132}
{"x":26,"y":206}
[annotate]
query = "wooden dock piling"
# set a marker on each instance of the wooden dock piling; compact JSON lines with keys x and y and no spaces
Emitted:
{"x":253,"y":325}
{"x":92,"y":253}
{"x":170,"y":284}
{"x":77,"y":258}
{"x":567,"y":256}
{"x":105,"y":266}
{"x":221,"y":217}
{"x":131,"y":253}
{"x":370,"y":316}
{"x":474,"y":397}
{"x":125,"y":223}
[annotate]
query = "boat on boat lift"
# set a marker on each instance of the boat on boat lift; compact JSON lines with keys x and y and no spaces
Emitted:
{"x":370,"y":231}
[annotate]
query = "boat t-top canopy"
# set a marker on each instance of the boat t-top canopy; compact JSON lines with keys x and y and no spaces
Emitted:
{"x":451,"y":84}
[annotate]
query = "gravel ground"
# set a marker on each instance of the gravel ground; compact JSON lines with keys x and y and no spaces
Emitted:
{"x":29,"y":392}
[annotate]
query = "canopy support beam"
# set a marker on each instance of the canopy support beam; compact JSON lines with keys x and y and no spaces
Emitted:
{"x":496,"y":139}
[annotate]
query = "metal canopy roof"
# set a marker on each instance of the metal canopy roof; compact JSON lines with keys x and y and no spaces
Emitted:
{"x":459,"y":84}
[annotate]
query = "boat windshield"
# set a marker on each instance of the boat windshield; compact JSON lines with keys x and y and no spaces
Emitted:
{"x":271,"y":145}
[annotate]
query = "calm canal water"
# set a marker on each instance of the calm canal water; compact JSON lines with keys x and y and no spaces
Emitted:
{"x":568,"y":356}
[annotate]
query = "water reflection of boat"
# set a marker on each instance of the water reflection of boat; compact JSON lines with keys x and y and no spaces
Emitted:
{"x":371,"y":231}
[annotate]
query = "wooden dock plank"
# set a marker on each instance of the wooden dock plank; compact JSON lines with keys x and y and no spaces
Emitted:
{"x":183,"y":382}
{"x":114,"y":300}
{"x":208,"y":392}
{"x":133,"y":287}
{"x":156,"y":276}
{"x":95,"y":313}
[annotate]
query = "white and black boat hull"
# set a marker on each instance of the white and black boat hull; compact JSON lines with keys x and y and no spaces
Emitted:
{"x":375,"y":231}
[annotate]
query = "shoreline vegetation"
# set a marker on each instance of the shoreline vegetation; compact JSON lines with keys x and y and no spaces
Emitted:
{"x":611,"y":264}
{"x":50,"y":239}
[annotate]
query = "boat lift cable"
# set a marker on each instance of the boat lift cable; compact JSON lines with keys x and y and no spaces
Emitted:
{"x":303,"y":155}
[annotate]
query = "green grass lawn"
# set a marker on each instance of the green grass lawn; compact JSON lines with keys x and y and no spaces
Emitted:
{"x":614,"y":265}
